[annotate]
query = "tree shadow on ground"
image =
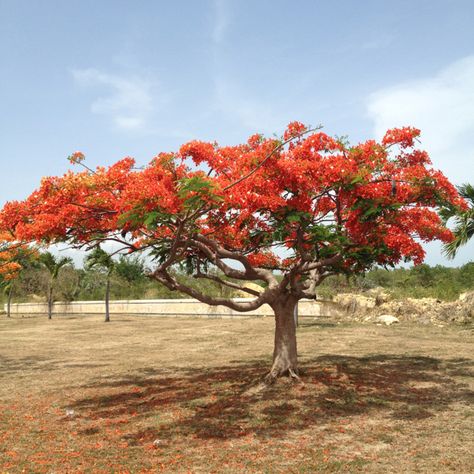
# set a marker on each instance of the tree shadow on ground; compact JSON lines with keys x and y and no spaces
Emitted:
{"x":219,"y":402}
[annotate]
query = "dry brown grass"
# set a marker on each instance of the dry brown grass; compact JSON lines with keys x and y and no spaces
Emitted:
{"x":172,"y":395}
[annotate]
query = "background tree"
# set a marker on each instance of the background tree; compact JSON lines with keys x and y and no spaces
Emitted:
{"x":53,"y":265}
{"x":7,"y":287}
{"x":67,"y":287}
{"x":463,"y":221}
{"x":103,"y":262}
{"x":14,"y":257}
{"x":130,"y":269}
{"x":285,"y":213}
{"x":9,"y":250}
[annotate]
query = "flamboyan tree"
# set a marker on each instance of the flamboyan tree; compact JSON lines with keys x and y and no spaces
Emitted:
{"x":286,"y":213}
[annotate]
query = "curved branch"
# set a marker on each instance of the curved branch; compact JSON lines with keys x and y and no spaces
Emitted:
{"x":174,"y":248}
{"x":326,"y":262}
{"x":242,"y":306}
{"x":251,"y":273}
{"x":230,"y":284}
{"x":213,"y":257}
{"x":310,"y":291}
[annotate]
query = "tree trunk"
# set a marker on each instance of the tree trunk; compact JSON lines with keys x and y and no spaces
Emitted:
{"x":285,"y":356}
{"x":9,"y":301}
{"x":107,"y":297}
{"x":50,"y":300}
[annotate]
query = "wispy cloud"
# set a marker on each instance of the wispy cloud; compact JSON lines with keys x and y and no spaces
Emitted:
{"x":250,"y":112}
{"x":221,"y":21}
{"x":231,"y":100}
{"x":379,"y":42}
{"x":128,"y":101}
{"x":442,"y":106}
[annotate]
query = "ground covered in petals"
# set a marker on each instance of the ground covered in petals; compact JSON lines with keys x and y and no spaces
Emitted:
{"x":178,"y":395}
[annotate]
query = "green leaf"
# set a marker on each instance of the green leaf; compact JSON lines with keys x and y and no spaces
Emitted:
{"x":127,"y":217}
{"x":196,"y":190}
{"x":291,"y":218}
{"x":357,"y":179}
{"x":150,"y":218}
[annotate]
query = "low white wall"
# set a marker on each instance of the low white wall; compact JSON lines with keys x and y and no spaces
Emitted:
{"x":170,"y":308}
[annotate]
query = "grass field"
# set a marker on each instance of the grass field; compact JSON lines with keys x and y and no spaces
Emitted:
{"x":177,"y":395}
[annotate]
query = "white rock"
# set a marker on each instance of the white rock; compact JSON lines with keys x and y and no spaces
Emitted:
{"x":387,"y":319}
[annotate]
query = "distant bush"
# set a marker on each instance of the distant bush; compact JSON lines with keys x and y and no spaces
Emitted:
{"x":130,"y":282}
{"x":422,"y":281}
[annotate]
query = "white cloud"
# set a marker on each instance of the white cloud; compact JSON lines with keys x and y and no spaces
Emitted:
{"x":128,"y":103}
{"x":442,"y":106}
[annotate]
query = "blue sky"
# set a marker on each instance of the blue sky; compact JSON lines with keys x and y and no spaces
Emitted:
{"x":117,"y":78}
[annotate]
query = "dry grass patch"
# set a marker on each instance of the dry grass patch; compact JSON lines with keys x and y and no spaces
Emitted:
{"x":174,"y":395}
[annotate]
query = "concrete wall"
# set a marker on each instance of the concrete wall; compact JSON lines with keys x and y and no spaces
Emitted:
{"x":171,"y":308}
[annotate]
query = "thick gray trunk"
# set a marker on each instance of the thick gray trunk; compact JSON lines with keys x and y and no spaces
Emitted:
{"x":107,"y":298}
{"x":285,"y":354}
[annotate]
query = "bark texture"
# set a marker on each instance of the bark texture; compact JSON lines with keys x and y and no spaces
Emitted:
{"x":285,"y":353}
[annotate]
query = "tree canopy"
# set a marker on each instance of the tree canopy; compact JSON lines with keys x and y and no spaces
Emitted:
{"x":305,"y":206}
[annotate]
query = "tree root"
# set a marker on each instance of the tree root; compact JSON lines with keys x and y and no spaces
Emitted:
{"x":275,"y":374}
{"x":290,"y":376}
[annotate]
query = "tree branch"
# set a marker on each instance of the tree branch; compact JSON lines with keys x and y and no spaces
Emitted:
{"x":277,"y":148}
{"x":326,"y":262}
{"x":174,"y":248}
{"x":229,"y":284}
{"x":218,"y":252}
{"x":173,"y":284}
